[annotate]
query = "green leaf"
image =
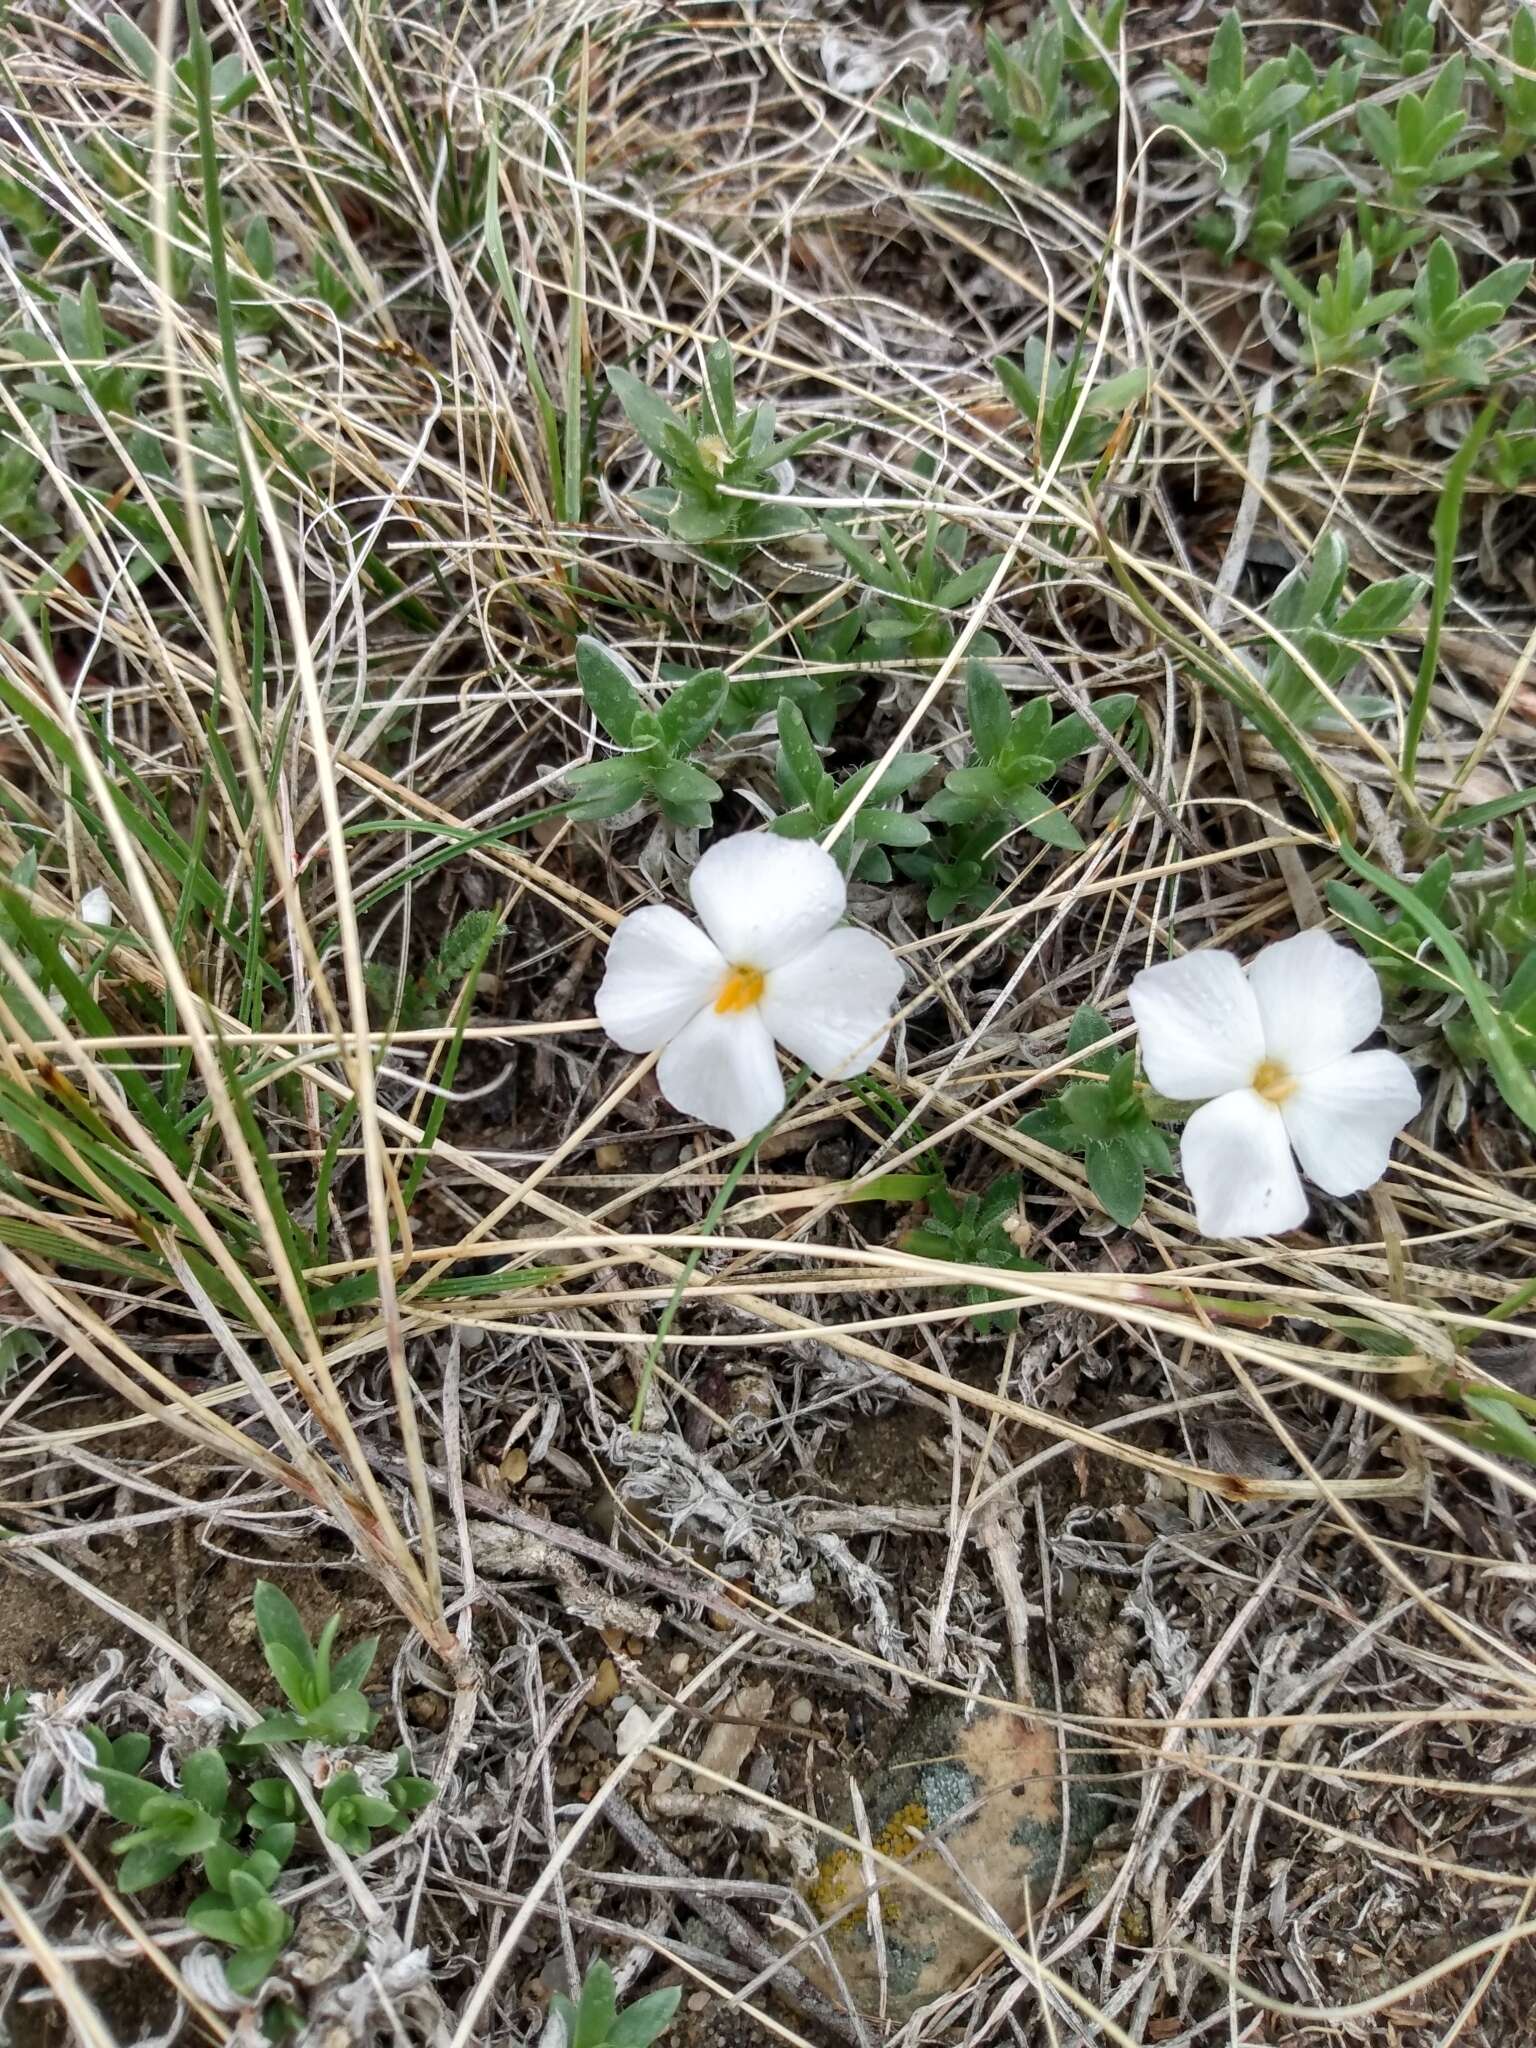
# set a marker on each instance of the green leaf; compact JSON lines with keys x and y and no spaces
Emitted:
{"x":650,"y":416}
{"x":205,"y":1778}
{"x":133,"y":46}
{"x":689,"y":715}
{"x":800,"y":773}
{"x":278,"y":1622}
{"x":148,"y":1863}
{"x":1506,"y":1430}
{"x":1515,"y":1081}
{"x":1116,"y":1177}
{"x":595,"y":2013}
{"x":640,"y":2024}
{"x":987,"y":712}
{"x":609,"y":685}
{"x":349,"y":1671}
{"x":126,"y":1796}
{"x":720,"y":382}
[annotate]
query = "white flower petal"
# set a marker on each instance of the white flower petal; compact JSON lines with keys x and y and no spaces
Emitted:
{"x":1317,"y":1000}
{"x":722,"y":1068}
{"x":661,"y":971}
{"x":1199,"y":1025}
{"x":1342,"y":1119}
{"x":1237,"y":1161}
{"x":831,"y":1006}
{"x":96,"y":908}
{"x":763,"y":899}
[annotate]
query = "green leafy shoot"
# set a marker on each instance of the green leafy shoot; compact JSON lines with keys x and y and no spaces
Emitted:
{"x":921,"y":138}
{"x":1282,"y":205}
{"x":1512,"y":81}
{"x":167,"y":1828}
{"x":352,"y":1813}
{"x":1104,"y":1119}
{"x":92,"y":349}
{"x":325,"y":1699}
{"x":722,"y":450}
{"x":1090,"y":41}
{"x":1404,"y":43}
{"x":1230,"y":116}
{"x":1034,"y":112}
{"x":231,"y":84}
{"x":244,"y":1917}
{"x":1450,"y":325}
{"x":972,"y":1230}
{"x":1013,"y":754}
{"x":1329,"y":634}
{"x":1509,"y":453}
{"x":909,"y":599}
{"x":1048,"y":390}
{"x":1342,"y":313}
{"x":816,"y":801}
{"x":655,"y":769}
{"x":420,"y":999}
{"x":817,"y":677}
{"x":594,"y":2020}
{"x":1412,"y":139}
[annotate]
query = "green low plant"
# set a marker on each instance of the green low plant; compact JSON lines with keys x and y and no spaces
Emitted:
{"x":1509,"y":453}
{"x":1412,"y":139}
{"x":230,"y":85}
{"x":1090,"y":38}
{"x":1014,"y":753}
{"x":908,"y":599}
{"x":1450,"y":325}
{"x":1229,"y":118}
{"x":816,"y":801}
{"x":816,"y":677}
{"x":655,"y":768}
{"x":707,"y":460}
{"x":166,"y":1828}
{"x":1105,"y":1119}
{"x":237,"y":1908}
{"x":594,"y":2020}
{"x":92,"y":350}
{"x":1033,"y":109}
{"x":1282,"y":205}
{"x":1328,"y":633}
{"x":1404,"y":43}
{"x":1512,"y":81}
{"x":1047,"y":387}
{"x":325,"y":1699}
{"x":1456,"y":955}
{"x":417,"y":999}
{"x":972,"y":1230}
{"x":1343,"y":315}
{"x":922,"y":141}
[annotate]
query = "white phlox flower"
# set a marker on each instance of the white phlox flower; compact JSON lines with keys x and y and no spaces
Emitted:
{"x":771,"y":966}
{"x":1271,"y":1056}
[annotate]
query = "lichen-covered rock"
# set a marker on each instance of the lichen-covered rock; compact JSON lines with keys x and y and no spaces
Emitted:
{"x":989,"y":1787}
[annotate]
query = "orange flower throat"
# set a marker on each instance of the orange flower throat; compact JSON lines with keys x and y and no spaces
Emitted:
{"x":742,"y":989}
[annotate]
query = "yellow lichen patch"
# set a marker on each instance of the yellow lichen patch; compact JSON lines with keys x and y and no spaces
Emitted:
{"x":840,"y":1875}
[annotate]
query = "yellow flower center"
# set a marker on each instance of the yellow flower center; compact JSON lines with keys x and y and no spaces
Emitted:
{"x":1274,"y":1081}
{"x":742,"y":989}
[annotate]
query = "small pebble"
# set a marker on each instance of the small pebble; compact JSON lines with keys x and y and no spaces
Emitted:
{"x":699,"y":2002}
{"x":679,"y":1665}
{"x":605,"y":1684}
{"x":800,"y":1712}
